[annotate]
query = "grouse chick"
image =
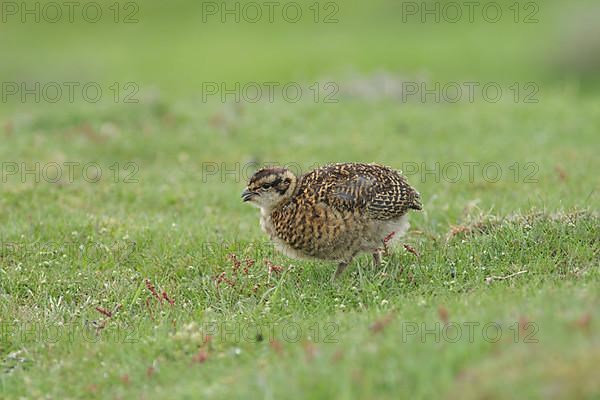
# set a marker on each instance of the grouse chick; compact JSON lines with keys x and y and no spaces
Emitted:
{"x":333,"y":212}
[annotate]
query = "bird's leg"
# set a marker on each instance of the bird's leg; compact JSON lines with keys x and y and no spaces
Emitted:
{"x":340,"y":269}
{"x":386,"y":240}
{"x":377,"y":257}
{"x":380,"y":251}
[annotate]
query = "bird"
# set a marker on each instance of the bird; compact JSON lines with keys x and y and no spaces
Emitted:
{"x":334,"y":212}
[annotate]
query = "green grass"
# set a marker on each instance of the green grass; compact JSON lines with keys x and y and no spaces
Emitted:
{"x":178,"y":228}
{"x":513,"y":262}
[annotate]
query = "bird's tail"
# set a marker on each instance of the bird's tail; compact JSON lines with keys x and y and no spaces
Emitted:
{"x":415,"y":203}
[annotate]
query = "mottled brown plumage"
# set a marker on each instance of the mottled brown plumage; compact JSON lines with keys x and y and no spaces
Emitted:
{"x":333,"y":212}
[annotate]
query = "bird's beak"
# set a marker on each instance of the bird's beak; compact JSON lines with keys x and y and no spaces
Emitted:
{"x":247,"y":195}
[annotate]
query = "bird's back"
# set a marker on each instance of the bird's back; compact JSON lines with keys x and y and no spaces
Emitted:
{"x":377,"y":191}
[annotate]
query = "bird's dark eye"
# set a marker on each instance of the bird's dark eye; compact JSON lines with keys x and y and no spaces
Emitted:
{"x":265,"y":186}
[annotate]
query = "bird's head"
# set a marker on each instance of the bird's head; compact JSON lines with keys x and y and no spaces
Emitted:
{"x":269,"y":186}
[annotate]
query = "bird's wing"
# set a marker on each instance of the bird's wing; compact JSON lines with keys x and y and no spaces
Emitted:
{"x":393,"y":200}
{"x":381,"y":196}
{"x":352,"y":193}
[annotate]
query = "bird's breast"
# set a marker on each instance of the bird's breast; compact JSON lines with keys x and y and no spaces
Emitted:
{"x":281,"y":241}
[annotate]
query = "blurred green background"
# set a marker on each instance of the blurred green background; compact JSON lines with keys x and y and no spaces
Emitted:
{"x":175,"y":46}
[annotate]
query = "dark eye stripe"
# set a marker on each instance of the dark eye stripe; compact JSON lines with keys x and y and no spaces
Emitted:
{"x":281,"y":190}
